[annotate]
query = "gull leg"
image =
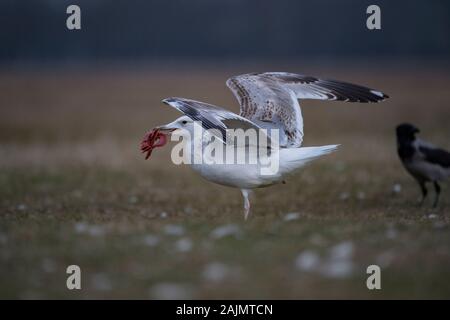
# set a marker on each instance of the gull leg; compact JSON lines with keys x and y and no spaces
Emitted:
{"x":437,"y":188}
{"x":246,"y":193}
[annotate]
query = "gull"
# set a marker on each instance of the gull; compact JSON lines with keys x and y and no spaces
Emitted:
{"x":268,"y":101}
{"x":424,"y":161}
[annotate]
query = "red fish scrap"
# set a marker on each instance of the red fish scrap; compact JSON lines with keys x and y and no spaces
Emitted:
{"x":152,"y":139}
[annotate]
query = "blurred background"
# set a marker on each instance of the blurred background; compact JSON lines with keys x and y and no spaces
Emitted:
{"x":158,"y":31}
{"x":74,"y":188}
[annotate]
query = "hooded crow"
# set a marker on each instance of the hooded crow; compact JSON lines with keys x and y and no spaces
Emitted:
{"x":425,"y":162}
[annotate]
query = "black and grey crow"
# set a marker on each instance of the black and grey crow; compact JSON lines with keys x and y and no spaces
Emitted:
{"x":425,"y":162}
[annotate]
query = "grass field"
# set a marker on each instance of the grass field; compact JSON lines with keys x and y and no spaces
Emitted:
{"x":74,"y":189}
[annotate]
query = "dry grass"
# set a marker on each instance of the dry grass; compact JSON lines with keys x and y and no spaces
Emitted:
{"x":74,"y":189}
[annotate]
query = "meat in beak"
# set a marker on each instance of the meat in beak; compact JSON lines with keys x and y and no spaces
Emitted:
{"x":153,"y":139}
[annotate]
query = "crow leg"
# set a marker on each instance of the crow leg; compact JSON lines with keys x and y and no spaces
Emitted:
{"x":437,"y":188}
{"x":424,"y":190}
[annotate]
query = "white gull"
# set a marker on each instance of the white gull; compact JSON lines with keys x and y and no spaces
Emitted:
{"x":267,"y":101}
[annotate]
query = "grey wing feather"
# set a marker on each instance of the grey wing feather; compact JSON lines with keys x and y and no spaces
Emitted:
{"x":436,"y":156}
{"x":262,"y":99}
{"x":307,"y":87}
{"x":272,"y":96}
{"x":210,"y":116}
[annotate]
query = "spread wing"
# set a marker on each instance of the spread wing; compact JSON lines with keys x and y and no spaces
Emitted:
{"x":211,"y":116}
{"x":273,"y":97}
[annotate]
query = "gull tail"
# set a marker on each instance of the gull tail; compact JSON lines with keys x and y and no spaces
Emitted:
{"x":294,"y":158}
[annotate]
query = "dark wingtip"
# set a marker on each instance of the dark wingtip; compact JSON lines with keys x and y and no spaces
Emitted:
{"x":380,"y":96}
{"x":168,"y":100}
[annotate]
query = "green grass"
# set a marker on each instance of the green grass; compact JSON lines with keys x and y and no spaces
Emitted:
{"x":100,"y":218}
{"x":75,"y":190}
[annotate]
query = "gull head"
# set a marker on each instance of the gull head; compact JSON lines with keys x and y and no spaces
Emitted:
{"x":157,"y":137}
{"x":183,"y":122}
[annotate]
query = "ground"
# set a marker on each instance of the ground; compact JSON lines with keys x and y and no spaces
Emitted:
{"x":74,"y":189}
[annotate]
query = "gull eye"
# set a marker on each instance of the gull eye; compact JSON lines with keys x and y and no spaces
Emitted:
{"x":184,"y":121}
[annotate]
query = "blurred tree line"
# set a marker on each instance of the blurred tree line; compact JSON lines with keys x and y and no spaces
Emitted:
{"x":34,"y":31}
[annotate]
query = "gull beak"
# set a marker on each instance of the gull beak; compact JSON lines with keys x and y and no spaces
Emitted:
{"x":167,"y":128}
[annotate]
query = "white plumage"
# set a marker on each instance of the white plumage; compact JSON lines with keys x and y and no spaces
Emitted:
{"x":267,"y":101}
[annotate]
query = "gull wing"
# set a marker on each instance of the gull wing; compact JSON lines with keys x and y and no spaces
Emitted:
{"x":273,"y":97}
{"x":211,"y":116}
